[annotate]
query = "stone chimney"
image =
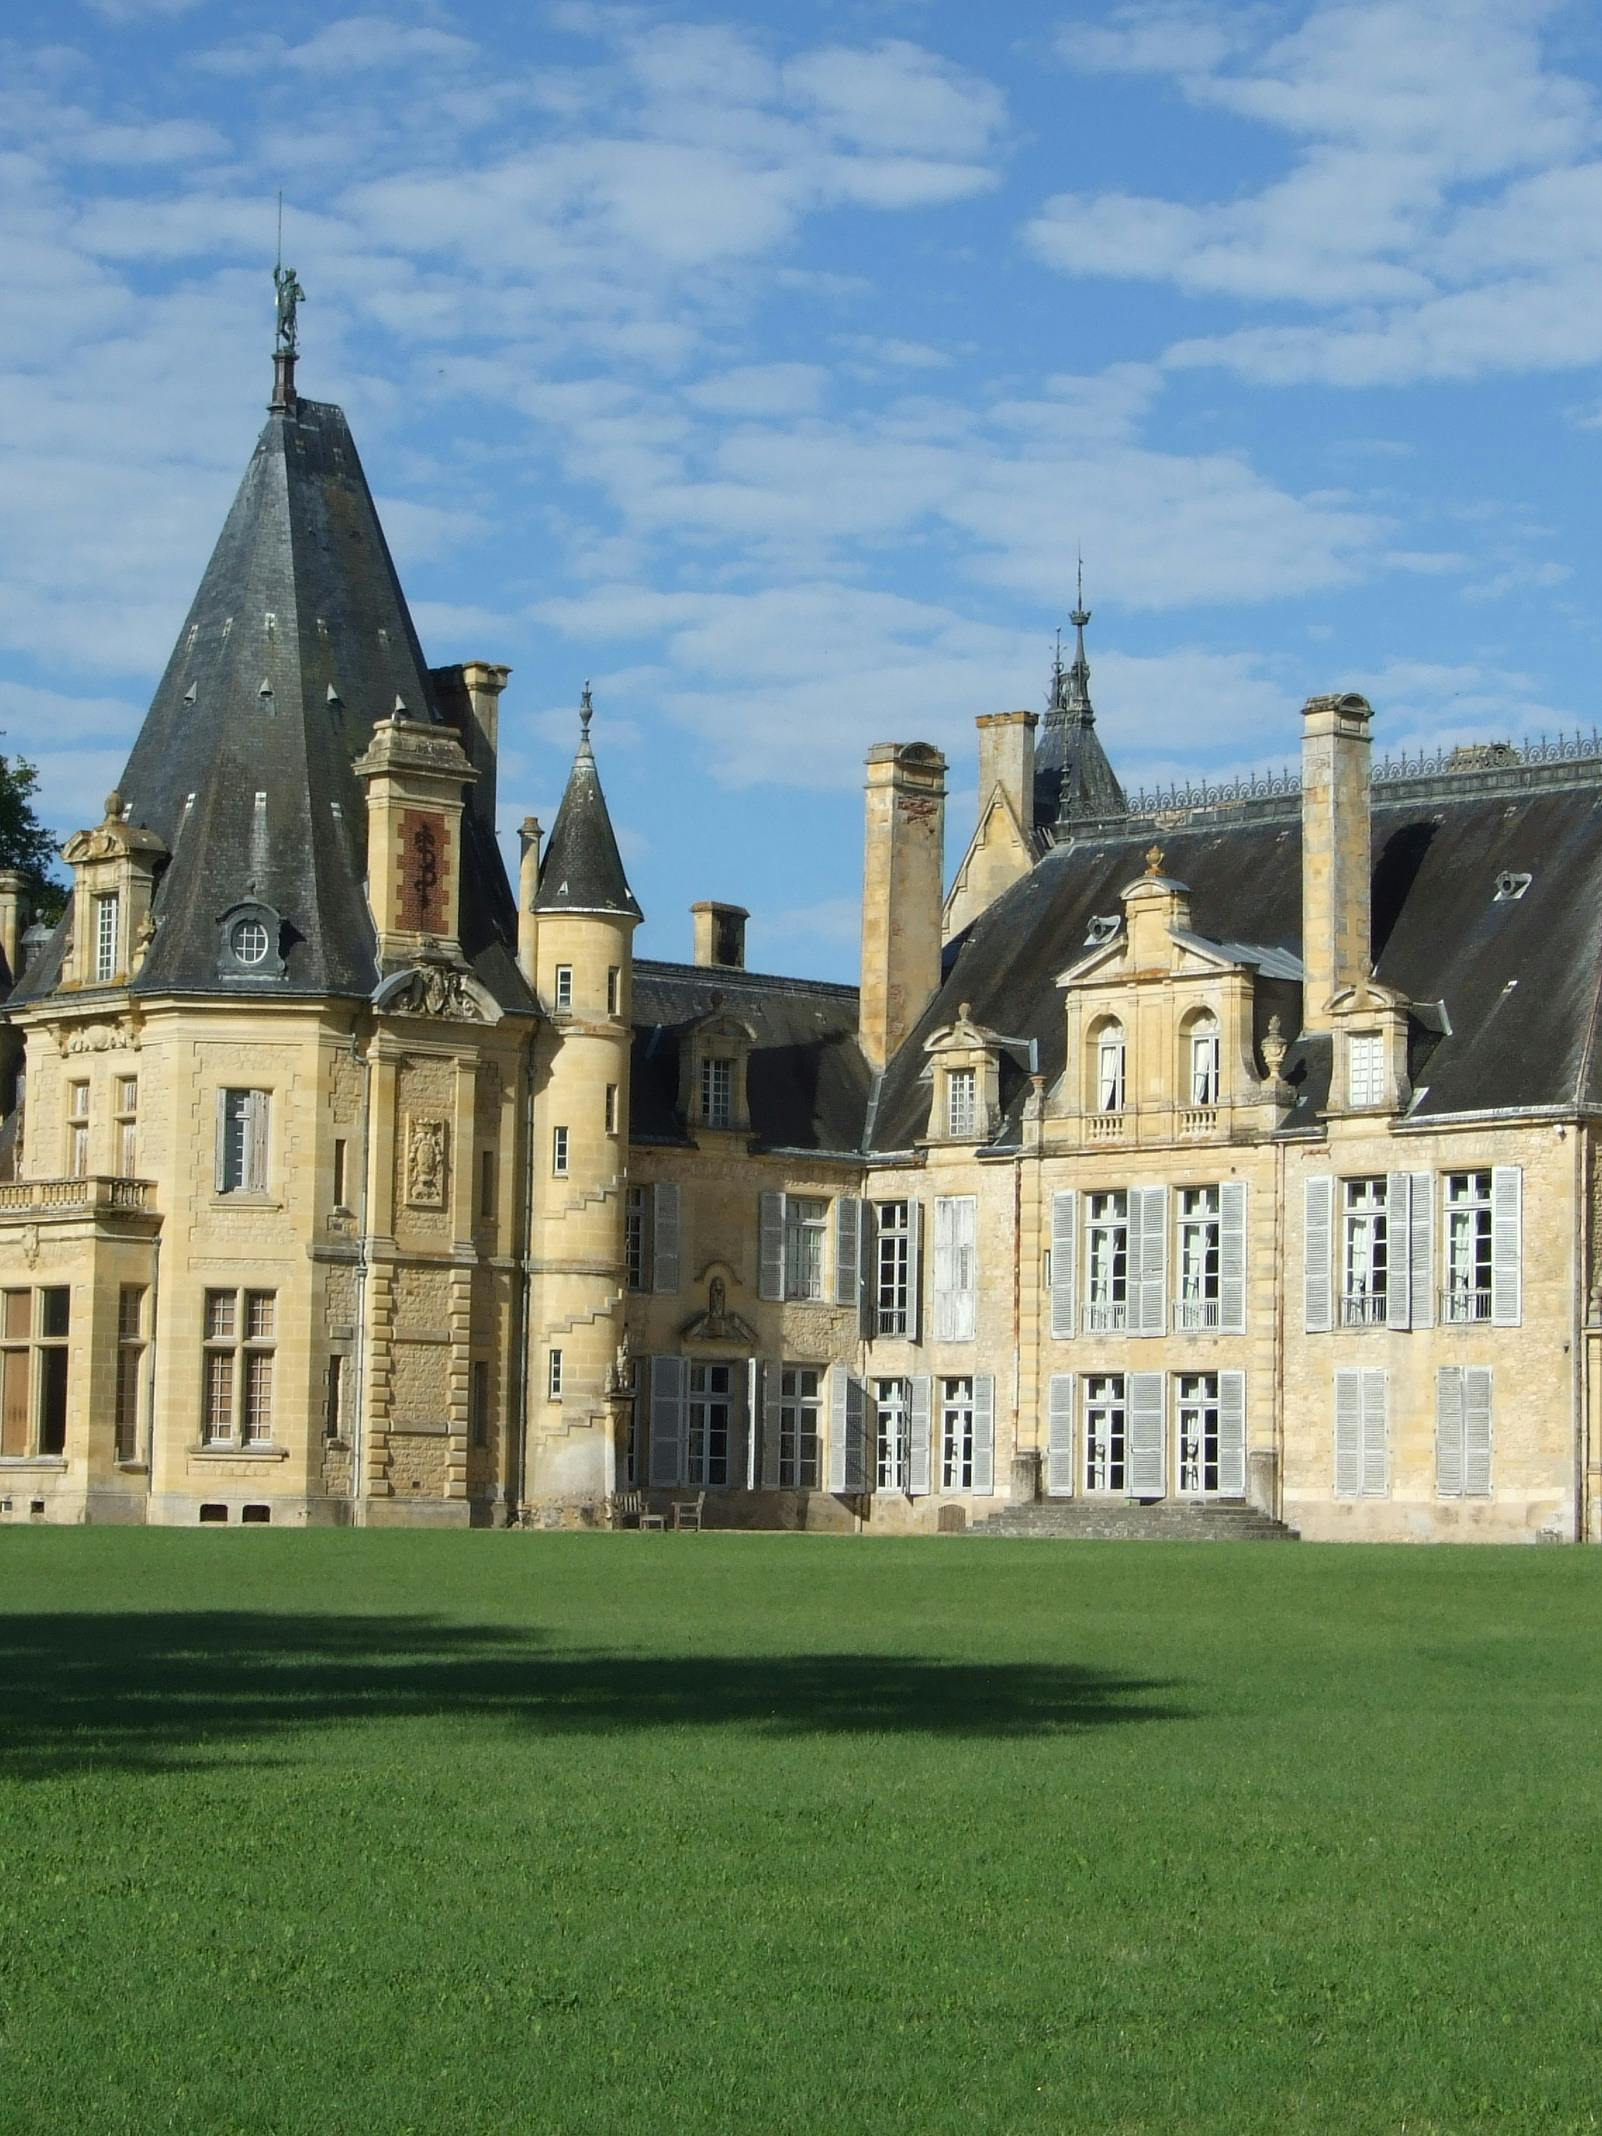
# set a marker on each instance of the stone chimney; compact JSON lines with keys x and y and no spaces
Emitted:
{"x":903,"y":865}
{"x":470,"y":698}
{"x":528,"y":883}
{"x":1007,"y":760}
{"x":1337,"y":945}
{"x":13,"y":911}
{"x":720,"y":934}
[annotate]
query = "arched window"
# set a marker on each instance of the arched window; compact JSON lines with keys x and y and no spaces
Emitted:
{"x":1204,"y":1059}
{"x":1110,"y":1062}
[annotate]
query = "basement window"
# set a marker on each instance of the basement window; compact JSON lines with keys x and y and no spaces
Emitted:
{"x":1510,"y":887}
{"x":213,"y":1516}
{"x":256,"y":1516}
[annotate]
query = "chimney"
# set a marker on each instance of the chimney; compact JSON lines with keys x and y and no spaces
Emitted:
{"x":1007,"y":760}
{"x":470,"y":698}
{"x":13,"y":906}
{"x":528,"y":882}
{"x":720,"y":934}
{"x":1337,"y":944}
{"x":903,"y":864}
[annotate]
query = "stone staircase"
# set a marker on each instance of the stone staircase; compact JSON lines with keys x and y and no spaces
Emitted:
{"x":1133,"y":1520}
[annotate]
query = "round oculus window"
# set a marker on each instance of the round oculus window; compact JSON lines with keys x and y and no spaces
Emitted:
{"x":249,"y":941}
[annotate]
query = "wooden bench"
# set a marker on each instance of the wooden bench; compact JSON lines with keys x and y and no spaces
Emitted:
{"x":625,"y":1506}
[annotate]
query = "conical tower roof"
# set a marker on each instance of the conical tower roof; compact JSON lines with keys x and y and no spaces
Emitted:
{"x":297,"y":641}
{"x":1074,"y":782}
{"x":582,"y":870}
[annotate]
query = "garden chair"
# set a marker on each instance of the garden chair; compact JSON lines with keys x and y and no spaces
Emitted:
{"x":687,"y":1514}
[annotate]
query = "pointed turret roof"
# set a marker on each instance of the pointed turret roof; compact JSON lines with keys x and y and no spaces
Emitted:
{"x":1073,"y":780}
{"x":582,"y":870}
{"x":297,"y":641}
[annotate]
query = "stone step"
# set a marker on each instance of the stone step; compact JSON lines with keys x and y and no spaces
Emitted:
{"x":1124,"y":1520}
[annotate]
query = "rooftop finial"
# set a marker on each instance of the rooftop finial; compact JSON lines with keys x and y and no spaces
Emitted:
{"x":286,"y":336}
{"x":586,"y":714}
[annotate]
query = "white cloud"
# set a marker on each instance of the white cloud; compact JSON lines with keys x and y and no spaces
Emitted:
{"x":160,"y":141}
{"x":897,"y":97}
{"x":354,"y":44}
{"x":1440,"y":202}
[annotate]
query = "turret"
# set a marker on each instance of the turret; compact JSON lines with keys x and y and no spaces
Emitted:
{"x":586,"y":915}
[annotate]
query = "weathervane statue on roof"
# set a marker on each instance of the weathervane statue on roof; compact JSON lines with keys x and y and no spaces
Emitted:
{"x":290,"y":295}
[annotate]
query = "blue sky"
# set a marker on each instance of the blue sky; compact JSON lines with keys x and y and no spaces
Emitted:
{"x":768,"y":364}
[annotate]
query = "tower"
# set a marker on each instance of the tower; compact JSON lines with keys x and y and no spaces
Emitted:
{"x":582,"y":949}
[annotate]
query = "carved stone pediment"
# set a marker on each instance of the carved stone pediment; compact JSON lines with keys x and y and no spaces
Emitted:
{"x":444,"y":992}
{"x":717,"y":1323}
{"x":101,"y":1038}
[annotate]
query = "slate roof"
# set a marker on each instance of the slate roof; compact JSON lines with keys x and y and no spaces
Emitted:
{"x":581,"y":869}
{"x":807,"y":1080}
{"x":297,"y":641}
{"x":1073,"y":779}
{"x":1518,"y":980}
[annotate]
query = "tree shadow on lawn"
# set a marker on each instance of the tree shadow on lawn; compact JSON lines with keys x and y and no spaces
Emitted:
{"x":159,"y":1691}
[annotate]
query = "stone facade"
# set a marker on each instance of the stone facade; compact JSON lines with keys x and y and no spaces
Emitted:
{"x":1153,"y":1189}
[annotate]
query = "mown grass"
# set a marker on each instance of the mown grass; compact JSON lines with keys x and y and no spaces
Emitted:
{"x":385,"y":1833}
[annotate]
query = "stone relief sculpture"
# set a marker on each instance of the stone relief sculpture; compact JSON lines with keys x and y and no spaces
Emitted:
{"x":425,"y":1164}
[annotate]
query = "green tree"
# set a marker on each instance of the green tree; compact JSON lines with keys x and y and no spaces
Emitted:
{"x":25,"y":844}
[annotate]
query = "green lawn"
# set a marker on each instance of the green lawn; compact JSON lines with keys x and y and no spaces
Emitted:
{"x":376,"y":1833}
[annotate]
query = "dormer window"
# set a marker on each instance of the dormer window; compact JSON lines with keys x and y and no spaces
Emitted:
{"x":250,"y":942}
{"x":962,"y":1104}
{"x":250,"y":934}
{"x":1110,"y":1065}
{"x":717,"y":1091}
{"x":1365,"y":1068}
{"x":1101,"y":929}
{"x":108,"y":917}
{"x":1204,"y":1055}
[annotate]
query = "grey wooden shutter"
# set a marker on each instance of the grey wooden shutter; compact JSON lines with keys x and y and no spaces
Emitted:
{"x":1477,"y":1431}
{"x":1421,"y":1248}
{"x":1318,"y":1307}
{"x":943,"y":1258}
{"x":1375,"y":1476}
{"x":220,"y":1172}
{"x":1147,"y":1465}
{"x":256,"y":1144}
{"x":868,"y":1285}
{"x":1449,"y":1432}
{"x":1060,"y":1436}
{"x":665,"y":1227}
{"x":739,"y":1431}
{"x":1398,"y":1231}
{"x":984,"y":1434}
{"x":915,"y":1271}
{"x":770,"y":1265}
{"x":1064,"y":1216}
{"x":753,"y":1420}
{"x":965,"y":1293}
{"x":848,"y":1464}
{"x":1232,"y":1434}
{"x":847,"y":1249}
{"x":1348,"y":1434}
{"x":1507,"y":1246}
{"x":1232,"y":1257}
{"x":1152,"y":1291}
{"x":772,"y":1392}
{"x":839,"y":1389}
{"x":669,"y":1383}
{"x":1134,"y":1233}
{"x":918,"y":1437}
